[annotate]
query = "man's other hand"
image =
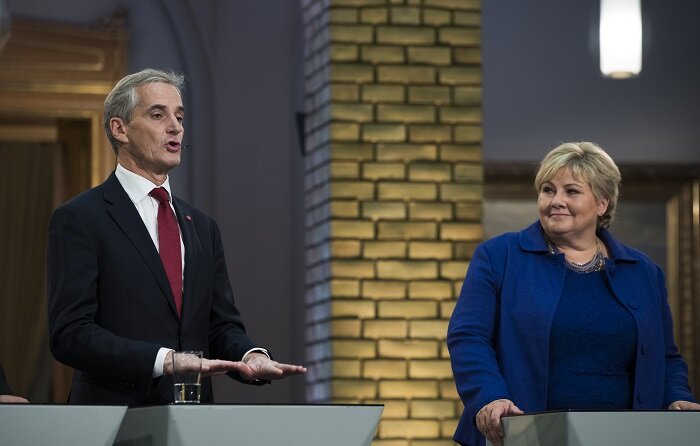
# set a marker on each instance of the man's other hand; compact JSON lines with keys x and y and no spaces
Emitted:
{"x":12,"y":399}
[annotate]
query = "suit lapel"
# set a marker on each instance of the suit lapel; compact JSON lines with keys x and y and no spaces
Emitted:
{"x":125,"y":215}
{"x":192,"y":246}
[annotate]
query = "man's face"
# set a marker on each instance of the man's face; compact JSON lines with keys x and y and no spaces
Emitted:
{"x":152,"y":139}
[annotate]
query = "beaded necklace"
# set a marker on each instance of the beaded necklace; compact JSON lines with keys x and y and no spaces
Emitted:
{"x":597,"y":263}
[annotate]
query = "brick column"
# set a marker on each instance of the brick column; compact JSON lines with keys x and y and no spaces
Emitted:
{"x":393,"y":203}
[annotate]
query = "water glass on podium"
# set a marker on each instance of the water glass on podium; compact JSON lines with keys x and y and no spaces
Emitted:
{"x":187,"y":376}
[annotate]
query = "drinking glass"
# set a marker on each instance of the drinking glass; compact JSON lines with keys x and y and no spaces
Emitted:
{"x":187,"y":376}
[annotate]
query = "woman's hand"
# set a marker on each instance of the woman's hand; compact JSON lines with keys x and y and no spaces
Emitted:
{"x":488,"y":419}
{"x":683,"y":405}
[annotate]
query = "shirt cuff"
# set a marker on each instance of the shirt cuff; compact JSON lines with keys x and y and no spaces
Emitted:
{"x":160,"y":361}
{"x":256,"y":350}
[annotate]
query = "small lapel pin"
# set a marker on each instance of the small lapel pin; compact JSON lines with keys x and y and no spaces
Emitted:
{"x":188,"y":217}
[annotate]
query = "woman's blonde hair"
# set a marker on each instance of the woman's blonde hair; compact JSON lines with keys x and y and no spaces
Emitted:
{"x":586,"y":161}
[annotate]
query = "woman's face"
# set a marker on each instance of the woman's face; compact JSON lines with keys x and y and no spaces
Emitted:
{"x":568,"y":207}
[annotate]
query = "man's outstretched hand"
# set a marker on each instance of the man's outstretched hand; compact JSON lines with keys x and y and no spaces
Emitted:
{"x":257,"y":366}
{"x":260,"y":367}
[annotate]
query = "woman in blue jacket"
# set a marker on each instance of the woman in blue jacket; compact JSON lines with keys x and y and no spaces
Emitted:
{"x":561,"y":315}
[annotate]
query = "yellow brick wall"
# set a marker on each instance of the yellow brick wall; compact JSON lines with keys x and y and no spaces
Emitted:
{"x":393,"y":203}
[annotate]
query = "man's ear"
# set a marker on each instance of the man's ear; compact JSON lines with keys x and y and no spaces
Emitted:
{"x":118,"y":129}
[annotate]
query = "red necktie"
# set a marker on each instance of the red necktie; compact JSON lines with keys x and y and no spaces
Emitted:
{"x":169,"y":244}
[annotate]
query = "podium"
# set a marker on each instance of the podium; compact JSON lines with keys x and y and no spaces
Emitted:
{"x":619,"y":428}
{"x":245,"y":425}
{"x":35,"y":424}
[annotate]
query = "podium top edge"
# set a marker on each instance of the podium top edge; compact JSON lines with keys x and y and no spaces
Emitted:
{"x":571,"y":411}
{"x":190,"y":405}
{"x":117,"y":406}
{"x":261,"y":405}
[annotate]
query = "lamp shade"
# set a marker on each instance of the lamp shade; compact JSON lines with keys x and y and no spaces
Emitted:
{"x":620,"y":38}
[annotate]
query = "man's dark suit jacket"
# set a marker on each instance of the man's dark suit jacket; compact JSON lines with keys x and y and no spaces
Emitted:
{"x":4,"y":387}
{"x":111,"y":307}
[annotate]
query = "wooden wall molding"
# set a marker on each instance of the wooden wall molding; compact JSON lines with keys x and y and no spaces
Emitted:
{"x":53,"y":82}
{"x":57,"y":71}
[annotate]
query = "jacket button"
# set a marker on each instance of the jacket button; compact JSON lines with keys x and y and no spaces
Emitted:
{"x":645,"y":348}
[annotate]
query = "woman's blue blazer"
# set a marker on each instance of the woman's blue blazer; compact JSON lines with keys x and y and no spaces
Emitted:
{"x":498,"y":336}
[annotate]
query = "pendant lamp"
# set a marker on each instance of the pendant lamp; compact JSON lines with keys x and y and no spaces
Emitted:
{"x":620,"y":38}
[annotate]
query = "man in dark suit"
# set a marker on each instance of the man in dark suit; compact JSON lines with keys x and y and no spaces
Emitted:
{"x":122,"y":294}
{"x":6,"y":394}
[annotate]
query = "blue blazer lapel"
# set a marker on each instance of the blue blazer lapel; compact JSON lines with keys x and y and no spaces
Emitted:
{"x":548,"y":274}
{"x":125,"y":215}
